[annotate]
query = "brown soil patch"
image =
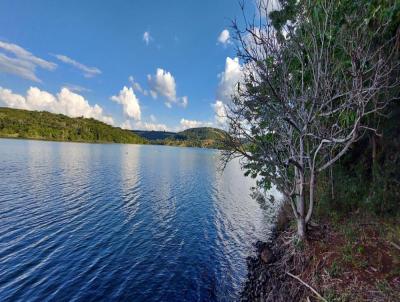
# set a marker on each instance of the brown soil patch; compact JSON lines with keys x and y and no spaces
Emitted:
{"x":349,"y":260}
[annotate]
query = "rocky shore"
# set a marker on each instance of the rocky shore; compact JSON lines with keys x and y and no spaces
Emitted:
{"x":267,"y":279}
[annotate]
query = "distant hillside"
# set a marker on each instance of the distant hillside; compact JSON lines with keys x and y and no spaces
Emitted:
{"x":154,"y":135}
{"x":204,"y":137}
{"x":43,"y":125}
{"x":17,"y":123}
{"x":203,"y":133}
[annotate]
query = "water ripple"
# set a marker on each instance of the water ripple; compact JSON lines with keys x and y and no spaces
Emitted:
{"x":83,"y":222}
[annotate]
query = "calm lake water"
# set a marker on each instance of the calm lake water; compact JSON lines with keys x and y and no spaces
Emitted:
{"x":87,"y":222}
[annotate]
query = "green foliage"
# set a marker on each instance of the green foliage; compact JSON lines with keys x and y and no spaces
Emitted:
{"x":331,"y":295}
{"x":154,"y":135}
{"x":202,"y":137}
{"x":289,"y":12}
{"x":308,"y":92}
{"x":203,"y":133}
{"x":299,"y":245}
{"x":383,"y":286}
{"x":361,"y":183}
{"x":16,"y":123}
{"x":335,"y":269}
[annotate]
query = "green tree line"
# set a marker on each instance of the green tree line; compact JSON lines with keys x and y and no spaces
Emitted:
{"x":17,"y":123}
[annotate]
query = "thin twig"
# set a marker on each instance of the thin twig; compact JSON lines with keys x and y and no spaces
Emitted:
{"x":395,"y":245}
{"x":307,"y":285}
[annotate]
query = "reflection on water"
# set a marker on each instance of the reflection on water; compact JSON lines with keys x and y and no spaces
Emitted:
{"x":81,"y":222}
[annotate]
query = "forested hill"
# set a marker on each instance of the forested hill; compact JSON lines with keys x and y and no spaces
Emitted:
{"x":43,"y":125}
{"x":204,"y":133}
{"x":204,"y":137}
{"x":17,"y":123}
{"x":154,"y":135}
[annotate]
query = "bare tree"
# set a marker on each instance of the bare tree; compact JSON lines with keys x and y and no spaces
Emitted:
{"x":308,"y":89}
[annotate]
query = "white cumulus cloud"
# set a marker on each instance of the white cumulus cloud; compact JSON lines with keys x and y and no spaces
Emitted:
{"x":224,"y":37}
{"x":220,"y":113}
{"x":18,"y":61}
{"x":185,"y":124}
{"x":65,"y":102}
{"x":146,"y":37}
{"x":151,"y":126}
{"x":88,"y":72}
{"x":163,"y":84}
{"x":129,"y":102}
{"x":229,"y":80}
{"x":12,"y":100}
{"x":140,"y":125}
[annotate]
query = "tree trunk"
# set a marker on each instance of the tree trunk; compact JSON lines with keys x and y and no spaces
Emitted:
{"x":301,"y":228}
{"x":373,"y":142}
{"x":301,"y":222}
{"x":332,"y":183}
{"x":311,"y":196}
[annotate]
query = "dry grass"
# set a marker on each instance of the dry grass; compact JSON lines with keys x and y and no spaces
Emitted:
{"x":353,"y":259}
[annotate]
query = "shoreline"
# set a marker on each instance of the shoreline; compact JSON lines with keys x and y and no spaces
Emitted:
{"x":101,"y":142}
{"x":68,"y":141}
{"x":47,"y":126}
{"x":340,"y":261}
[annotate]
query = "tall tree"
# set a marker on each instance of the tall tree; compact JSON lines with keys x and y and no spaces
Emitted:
{"x":313,"y":73}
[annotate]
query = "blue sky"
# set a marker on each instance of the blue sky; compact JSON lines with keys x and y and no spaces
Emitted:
{"x":170,"y":55}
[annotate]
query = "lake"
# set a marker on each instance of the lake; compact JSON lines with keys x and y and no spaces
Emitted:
{"x":110,"y":222}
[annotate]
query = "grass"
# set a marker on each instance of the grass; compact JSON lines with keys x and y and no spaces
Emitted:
{"x":335,"y":269}
{"x":351,"y":258}
{"x":364,"y":265}
{"x":347,"y":257}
